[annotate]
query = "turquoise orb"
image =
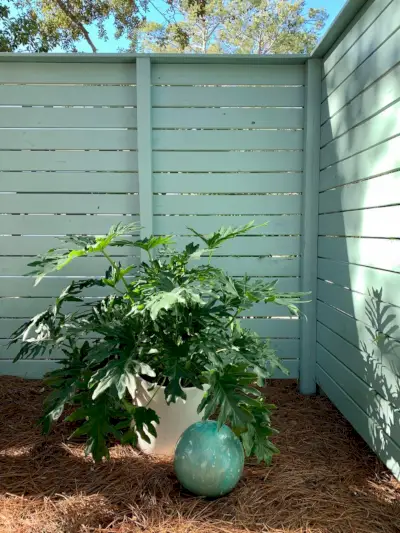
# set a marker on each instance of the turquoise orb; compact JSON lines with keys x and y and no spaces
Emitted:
{"x":208,"y":462}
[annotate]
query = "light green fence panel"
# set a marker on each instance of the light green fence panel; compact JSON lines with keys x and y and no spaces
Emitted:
{"x":174,"y":145}
{"x":227,"y":147}
{"x":358,"y":312}
{"x":68,"y":165}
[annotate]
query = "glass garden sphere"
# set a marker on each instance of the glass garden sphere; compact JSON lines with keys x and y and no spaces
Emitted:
{"x":208,"y":462}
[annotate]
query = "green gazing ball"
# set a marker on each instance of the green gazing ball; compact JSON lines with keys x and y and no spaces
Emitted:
{"x":208,"y":462}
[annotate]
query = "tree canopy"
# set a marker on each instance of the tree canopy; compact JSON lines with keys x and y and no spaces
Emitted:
{"x":189,"y":26}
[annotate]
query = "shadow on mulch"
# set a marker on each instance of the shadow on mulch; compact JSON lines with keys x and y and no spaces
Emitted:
{"x":325,"y":480}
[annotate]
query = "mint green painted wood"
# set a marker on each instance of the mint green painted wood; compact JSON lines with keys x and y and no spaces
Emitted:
{"x":86,"y":266}
{"x":122,"y":161}
{"x":48,"y":288}
{"x":27,"y":369}
{"x":366,"y":365}
{"x":380,"y":94}
{"x":374,"y":435}
{"x":224,"y":204}
{"x":227,"y":96}
{"x":71,"y":95}
{"x":276,"y":327}
{"x":62,"y":224}
{"x":34,"y":245}
{"x":380,"y":159}
{"x":356,"y":333}
{"x":360,"y":307}
{"x":224,"y":182}
{"x":74,"y":203}
{"x":372,"y":403}
{"x":310,"y":225}
{"x":7,"y":354}
{"x":286,"y":348}
{"x":72,"y":182}
{"x":378,"y":222}
{"x":227,"y":161}
{"x":48,"y":139}
{"x":375,"y":192}
{"x":67,"y":73}
{"x":379,"y":253}
{"x":51,"y":287}
{"x":212,"y":74}
{"x":227,"y":140}
{"x":243,"y":245}
{"x":361,"y":279}
{"x":368,"y":72}
{"x":145,"y":148}
{"x":277,"y":225}
{"x":73,"y":117}
{"x":266,"y":266}
{"x":226,"y":118}
{"x":385,"y":24}
{"x":374,"y":131}
{"x":358,"y":26}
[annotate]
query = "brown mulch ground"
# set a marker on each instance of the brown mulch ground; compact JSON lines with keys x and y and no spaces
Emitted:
{"x":325,"y":480}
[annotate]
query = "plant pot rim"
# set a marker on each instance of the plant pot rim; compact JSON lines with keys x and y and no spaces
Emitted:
{"x":163,"y":387}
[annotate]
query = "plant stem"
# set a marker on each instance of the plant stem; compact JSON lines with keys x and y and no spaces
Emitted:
{"x":114,"y":265}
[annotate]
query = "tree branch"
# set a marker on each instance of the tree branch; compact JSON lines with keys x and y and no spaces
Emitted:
{"x":77,"y":23}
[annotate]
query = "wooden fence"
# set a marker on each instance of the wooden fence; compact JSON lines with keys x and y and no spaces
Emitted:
{"x":310,"y":144}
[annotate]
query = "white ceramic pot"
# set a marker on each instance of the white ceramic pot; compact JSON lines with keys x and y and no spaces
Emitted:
{"x":174,"y":418}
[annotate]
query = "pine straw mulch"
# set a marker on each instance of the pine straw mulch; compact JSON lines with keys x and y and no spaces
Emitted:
{"x":325,"y":480}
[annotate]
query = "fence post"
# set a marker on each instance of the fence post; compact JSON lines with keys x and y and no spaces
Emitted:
{"x":310,"y":224}
{"x":144,"y":144}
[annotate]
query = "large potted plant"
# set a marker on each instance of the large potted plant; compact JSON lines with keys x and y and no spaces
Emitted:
{"x":166,"y":331}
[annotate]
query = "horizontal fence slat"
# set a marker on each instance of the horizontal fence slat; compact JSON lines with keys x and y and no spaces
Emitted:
{"x":96,"y":266}
{"x":68,"y":182}
{"x":385,"y":58}
{"x":253,"y":246}
{"x":51,"y":287}
{"x":380,"y":159}
{"x":217,"y":118}
{"x":361,"y":279}
{"x":69,"y":160}
{"x":37,"y":369}
{"x":363,"y":20}
{"x":62,"y":224}
{"x":54,"y":139}
{"x":228,"y":140}
{"x":379,"y":253}
{"x":365,"y":365}
{"x":276,"y":328}
{"x":228,"y":161}
{"x":374,"y":192}
{"x":68,"y":203}
{"x":371,"y":101}
{"x":73,"y":95}
{"x":379,"y":409}
{"x":377,"y":222}
{"x":357,"y":334}
{"x":192,"y":74}
{"x":277,"y":225}
{"x":68,"y":73}
{"x":227,"y":96}
{"x":82,"y":266}
{"x":227,"y":183}
{"x":375,"y":130}
{"x":378,"y":315}
{"x":226,"y":204}
{"x":367,"y":44}
{"x":34,"y":245}
{"x":74,"y":117}
{"x":375,"y":437}
{"x":248,"y":245}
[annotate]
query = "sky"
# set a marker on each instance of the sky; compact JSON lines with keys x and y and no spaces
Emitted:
{"x":332,"y":6}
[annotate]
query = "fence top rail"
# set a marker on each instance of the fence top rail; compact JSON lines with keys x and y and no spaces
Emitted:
{"x":339,"y":25}
{"x":237,"y":59}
